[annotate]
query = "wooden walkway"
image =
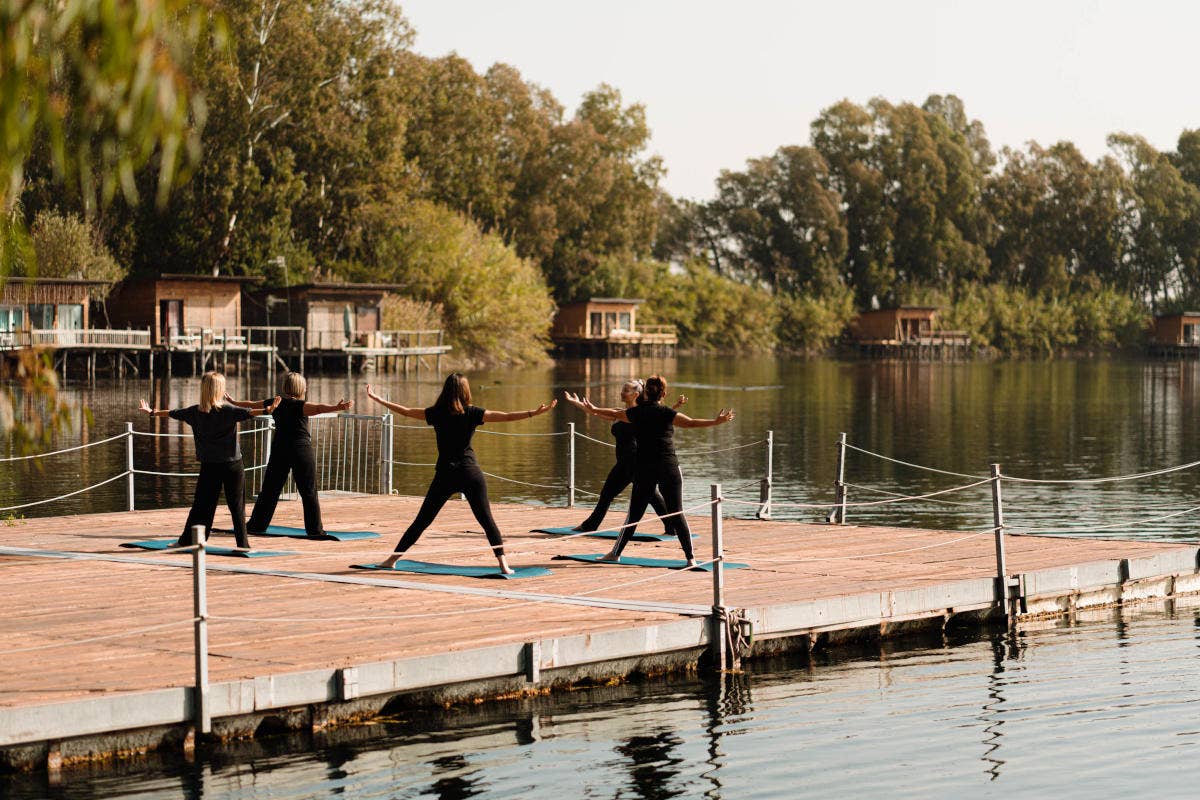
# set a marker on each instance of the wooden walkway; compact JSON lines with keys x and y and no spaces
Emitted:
{"x":291,"y":624}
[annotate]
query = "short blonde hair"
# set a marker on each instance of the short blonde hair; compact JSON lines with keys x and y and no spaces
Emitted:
{"x":294,"y":385}
{"x":212,"y":391}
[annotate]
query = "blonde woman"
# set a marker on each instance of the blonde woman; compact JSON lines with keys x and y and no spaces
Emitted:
{"x":215,"y":431}
{"x":291,"y":452}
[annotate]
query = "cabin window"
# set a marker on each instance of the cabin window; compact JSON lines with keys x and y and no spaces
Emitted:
{"x":1191,"y":334}
{"x":610,"y":321}
{"x":70,"y":317}
{"x":170,"y":320}
{"x":366,"y":318}
{"x":12,"y":318}
{"x":41,"y":316}
{"x":625,"y":321}
{"x":597,"y":324}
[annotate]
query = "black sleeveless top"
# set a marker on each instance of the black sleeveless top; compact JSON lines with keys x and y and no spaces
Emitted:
{"x":454,"y":432}
{"x":626,"y":443}
{"x":291,"y":426}
{"x":654,"y":430}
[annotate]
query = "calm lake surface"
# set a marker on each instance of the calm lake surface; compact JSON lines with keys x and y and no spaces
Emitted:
{"x":1104,"y":707}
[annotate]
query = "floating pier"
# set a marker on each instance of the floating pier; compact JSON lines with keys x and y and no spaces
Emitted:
{"x":106,"y":652}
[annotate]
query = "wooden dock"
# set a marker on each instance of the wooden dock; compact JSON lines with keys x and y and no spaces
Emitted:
{"x":303,"y":640}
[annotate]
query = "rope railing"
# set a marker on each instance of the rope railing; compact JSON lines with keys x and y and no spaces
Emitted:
{"x":875,"y":490}
{"x":64,"y":450}
{"x":722,"y":449}
{"x":881,"y":456}
{"x":868,"y":503}
{"x":116,"y":477}
{"x":1111,"y":526}
{"x":1110,"y":479}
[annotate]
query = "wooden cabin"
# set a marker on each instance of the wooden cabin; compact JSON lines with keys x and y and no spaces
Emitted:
{"x":179,"y":308}
{"x":334,"y":315}
{"x":1177,"y":330}
{"x":607,"y":327}
{"x":46,"y":304}
{"x":906,"y":332}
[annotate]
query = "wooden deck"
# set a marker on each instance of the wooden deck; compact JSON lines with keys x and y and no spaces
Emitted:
{"x":309,"y":623}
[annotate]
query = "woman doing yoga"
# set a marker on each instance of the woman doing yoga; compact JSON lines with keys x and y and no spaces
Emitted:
{"x":215,"y":430}
{"x":454,"y":421}
{"x":291,"y":451}
{"x":657,"y":465}
{"x":622,"y":473}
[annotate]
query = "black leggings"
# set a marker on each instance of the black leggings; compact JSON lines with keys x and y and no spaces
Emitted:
{"x":446,"y":483}
{"x":620,"y":476}
{"x":227,"y":475}
{"x":302,"y":463}
{"x":669,"y":480}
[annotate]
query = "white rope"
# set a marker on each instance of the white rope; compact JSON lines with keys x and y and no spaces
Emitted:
{"x":502,"y":433}
{"x":1114,"y":526}
{"x":523,"y":483}
{"x":1113,"y":479}
{"x":722,"y":450}
{"x":896,"y":494}
{"x":909,"y":463}
{"x":90,"y":639}
{"x":413,"y":463}
{"x":116,"y":477}
{"x":168,"y":435}
{"x":987,"y":532}
{"x":590,"y":439}
{"x":67,"y":450}
{"x":778,"y":504}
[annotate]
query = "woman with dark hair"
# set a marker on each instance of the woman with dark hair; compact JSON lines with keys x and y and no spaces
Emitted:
{"x":657,"y":465}
{"x":622,"y":473}
{"x":454,"y":421}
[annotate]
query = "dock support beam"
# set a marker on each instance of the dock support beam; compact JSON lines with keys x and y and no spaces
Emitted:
{"x":839,"y":513}
{"x":1002,"y":592}
{"x":570,"y":465}
{"x":129,"y":466}
{"x":202,"y":708}
{"x":764,"y":489}
{"x":385,"y":447}
{"x":719,"y":636}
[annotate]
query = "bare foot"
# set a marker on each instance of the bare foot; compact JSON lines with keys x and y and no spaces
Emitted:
{"x":241,"y":549}
{"x":583,"y":528}
{"x":691,"y":562}
{"x":391,"y":560}
{"x":505,"y":569}
{"x":610,"y":557}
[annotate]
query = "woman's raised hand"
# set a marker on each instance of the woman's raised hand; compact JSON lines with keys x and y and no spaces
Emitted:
{"x":275,"y":401}
{"x":726,"y":415}
{"x":543,"y":408}
{"x":345,"y":405}
{"x":144,"y":406}
{"x":573,"y":399}
{"x":371,"y":393}
{"x":682,"y":401}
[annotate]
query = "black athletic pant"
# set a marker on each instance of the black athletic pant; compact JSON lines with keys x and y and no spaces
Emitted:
{"x":302,"y":463}
{"x":446,"y":483}
{"x":669,"y":480}
{"x":227,"y":475}
{"x":620,"y":476}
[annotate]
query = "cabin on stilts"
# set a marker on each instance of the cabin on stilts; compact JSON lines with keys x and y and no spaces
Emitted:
{"x":905,"y":332}
{"x":1176,"y":335}
{"x":57,"y":314}
{"x":342,"y":323}
{"x":606,"y":327}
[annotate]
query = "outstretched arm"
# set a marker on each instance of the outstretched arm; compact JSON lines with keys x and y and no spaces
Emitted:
{"x":615,"y":414}
{"x":312,"y":409}
{"x":257,"y":410}
{"x":684,"y":421}
{"x":415,"y":413}
{"x":242,"y":403}
{"x":682,"y":401}
{"x":154,"y":412}
{"x":513,"y":416}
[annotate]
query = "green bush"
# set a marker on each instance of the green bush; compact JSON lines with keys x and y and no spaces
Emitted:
{"x":811,"y":323}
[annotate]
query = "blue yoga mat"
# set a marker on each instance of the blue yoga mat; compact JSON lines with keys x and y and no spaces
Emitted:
{"x":663,"y":563}
{"x":299,"y":533}
{"x":425,"y":568}
{"x":637,"y":537}
{"x":167,"y":544}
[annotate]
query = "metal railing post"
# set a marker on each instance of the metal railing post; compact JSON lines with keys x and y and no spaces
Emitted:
{"x":839,"y":514}
{"x":718,"y":638}
{"x":388,"y":433}
{"x":764,"y":490}
{"x":998,"y":526}
{"x":570,"y":465}
{"x":202,"y":709}
{"x":129,"y":502}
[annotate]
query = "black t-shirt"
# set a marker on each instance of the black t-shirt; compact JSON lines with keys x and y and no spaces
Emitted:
{"x":291,"y":426}
{"x":626,"y":443}
{"x":654,"y":430}
{"x":215,"y":431}
{"x":454,"y":432}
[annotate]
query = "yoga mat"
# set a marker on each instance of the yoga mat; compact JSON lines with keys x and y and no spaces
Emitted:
{"x":637,"y":537}
{"x":167,"y":544}
{"x":664,"y":563}
{"x":425,"y":568}
{"x":298,"y":533}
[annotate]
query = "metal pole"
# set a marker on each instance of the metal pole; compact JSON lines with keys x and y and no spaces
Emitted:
{"x":764,"y":491}
{"x":718,"y":640}
{"x":203,"y":712}
{"x":998,"y":523}
{"x":570,"y":465}
{"x":389,"y":433}
{"x":839,"y":515}
{"x":129,"y":465}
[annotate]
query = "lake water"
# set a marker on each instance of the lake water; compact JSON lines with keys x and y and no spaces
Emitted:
{"x":1103,"y":707}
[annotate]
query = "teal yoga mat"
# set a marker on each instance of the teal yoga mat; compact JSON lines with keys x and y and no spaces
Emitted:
{"x":298,"y":533}
{"x":167,"y":544}
{"x":425,"y":568}
{"x":662,"y":563}
{"x":637,"y":537}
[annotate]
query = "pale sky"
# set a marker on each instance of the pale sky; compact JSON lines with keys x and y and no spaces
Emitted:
{"x":727,"y":81}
